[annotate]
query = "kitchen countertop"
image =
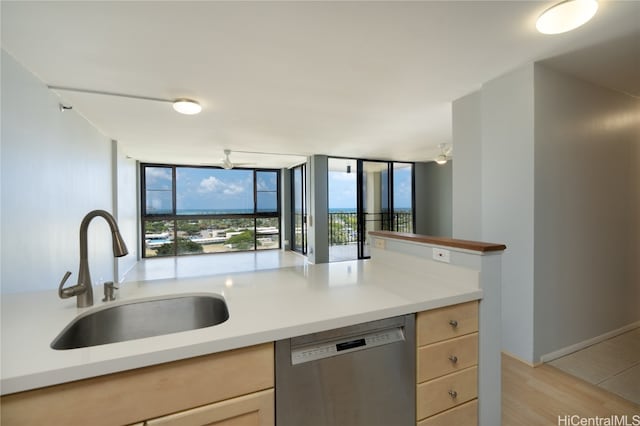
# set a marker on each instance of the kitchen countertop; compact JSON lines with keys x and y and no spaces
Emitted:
{"x":263,"y":306}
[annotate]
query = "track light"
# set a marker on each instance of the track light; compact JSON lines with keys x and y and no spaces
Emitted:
{"x":181,"y":105}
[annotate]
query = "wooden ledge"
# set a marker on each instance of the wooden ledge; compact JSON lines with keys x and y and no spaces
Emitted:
{"x":441,"y":241}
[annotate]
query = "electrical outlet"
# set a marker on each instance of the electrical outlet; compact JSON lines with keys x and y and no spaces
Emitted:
{"x":378,"y":243}
{"x":441,"y":255}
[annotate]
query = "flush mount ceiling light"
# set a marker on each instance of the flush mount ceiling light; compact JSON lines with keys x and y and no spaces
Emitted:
{"x":187,"y":106}
{"x":566,"y":16}
{"x":181,"y":105}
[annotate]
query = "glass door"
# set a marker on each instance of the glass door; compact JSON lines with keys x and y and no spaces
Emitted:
{"x":402,"y":198}
{"x":367,"y":196}
{"x":299,"y":209}
{"x":343,"y":213}
{"x":374,"y":205}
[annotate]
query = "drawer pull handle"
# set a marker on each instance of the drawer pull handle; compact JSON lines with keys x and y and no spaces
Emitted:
{"x":453,"y":323}
{"x":453,"y":358}
{"x":453,"y":394}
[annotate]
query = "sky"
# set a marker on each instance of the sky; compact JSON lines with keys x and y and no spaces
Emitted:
{"x":342,"y":189}
{"x":218,"y":189}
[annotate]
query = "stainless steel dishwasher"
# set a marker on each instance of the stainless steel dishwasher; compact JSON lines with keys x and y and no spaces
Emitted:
{"x":358,"y":375}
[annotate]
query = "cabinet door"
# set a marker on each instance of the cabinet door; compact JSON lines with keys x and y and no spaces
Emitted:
{"x":256,"y":409}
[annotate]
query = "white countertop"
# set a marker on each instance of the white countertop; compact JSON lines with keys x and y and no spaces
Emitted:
{"x":263,"y":306}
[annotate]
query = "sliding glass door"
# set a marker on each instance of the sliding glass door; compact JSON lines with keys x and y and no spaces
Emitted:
{"x":367,"y":196}
{"x":374,"y":204}
{"x":299,"y":209}
{"x":402,"y":218}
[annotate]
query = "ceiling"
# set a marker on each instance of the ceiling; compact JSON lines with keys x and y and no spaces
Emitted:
{"x":354,"y":79}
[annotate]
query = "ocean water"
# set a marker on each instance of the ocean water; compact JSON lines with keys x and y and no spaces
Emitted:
{"x":213,"y":211}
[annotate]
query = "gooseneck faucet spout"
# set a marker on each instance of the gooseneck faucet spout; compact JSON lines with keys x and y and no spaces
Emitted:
{"x":84,"y":290}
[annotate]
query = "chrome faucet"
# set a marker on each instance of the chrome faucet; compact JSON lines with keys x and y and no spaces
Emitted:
{"x":84,"y":289}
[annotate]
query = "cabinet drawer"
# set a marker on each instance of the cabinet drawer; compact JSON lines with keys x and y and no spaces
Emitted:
{"x":159,"y":390}
{"x":446,"y":323}
{"x":256,"y":409}
{"x":442,"y":358}
{"x":446,"y":392}
{"x":462,"y":415}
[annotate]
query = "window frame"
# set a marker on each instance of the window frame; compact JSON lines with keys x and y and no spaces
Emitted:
{"x":174,"y":217}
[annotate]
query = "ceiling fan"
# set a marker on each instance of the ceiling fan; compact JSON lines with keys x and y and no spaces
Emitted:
{"x":445,"y":154}
{"x":227,"y":164}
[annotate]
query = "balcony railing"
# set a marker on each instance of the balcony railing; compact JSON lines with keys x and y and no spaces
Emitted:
{"x":343,"y":227}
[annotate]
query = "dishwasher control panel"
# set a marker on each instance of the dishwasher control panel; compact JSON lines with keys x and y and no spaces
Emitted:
{"x":318,"y":351}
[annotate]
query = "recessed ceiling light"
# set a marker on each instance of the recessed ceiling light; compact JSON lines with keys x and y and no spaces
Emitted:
{"x":186,"y":106}
{"x":566,"y":16}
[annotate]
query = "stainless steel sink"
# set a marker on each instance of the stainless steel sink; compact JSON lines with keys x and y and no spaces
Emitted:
{"x":144,"y":318}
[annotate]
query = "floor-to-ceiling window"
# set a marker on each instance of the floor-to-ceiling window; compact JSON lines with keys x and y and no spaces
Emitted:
{"x":367,"y":196}
{"x":193,"y":210}
{"x":343,"y":208}
{"x":403,"y":195}
{"x":299,"y":209}
{"x":375,"y":202}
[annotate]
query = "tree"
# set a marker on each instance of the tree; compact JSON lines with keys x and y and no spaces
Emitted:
{"x":243,"y":241}
{"x":185,"y":246}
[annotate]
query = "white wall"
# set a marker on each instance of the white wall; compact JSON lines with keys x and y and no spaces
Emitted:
{"x":433,"y":198}
{"x":560,"y":186}
{"x":126,"y":207}
{"x":587,"y":178}
{"x":507,"y":165}
{"x":467,"y":169}
{"x":55,"y":168}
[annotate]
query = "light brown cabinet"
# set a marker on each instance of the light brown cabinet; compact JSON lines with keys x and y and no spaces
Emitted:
{"x":255,"y":409}
{"x":447,"y":365}
{"x":227,"y":383}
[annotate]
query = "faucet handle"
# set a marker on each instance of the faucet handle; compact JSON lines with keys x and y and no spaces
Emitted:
{"x":109,"y":291}
{"x":65,"y":293}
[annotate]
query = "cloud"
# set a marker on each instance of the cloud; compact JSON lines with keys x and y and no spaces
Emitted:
{"x":158,"y":176}
{"x":158,"y":172}
{"x":232,"y":189}
{"x":210,"y":184}
{"x":213,"y":184}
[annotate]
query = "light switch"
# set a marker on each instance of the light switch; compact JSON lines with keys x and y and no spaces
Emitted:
{"x":378,"y":243}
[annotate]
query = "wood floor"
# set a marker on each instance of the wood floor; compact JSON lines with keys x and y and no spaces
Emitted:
{"x":537,"y":396}
{"x":613,"y":364}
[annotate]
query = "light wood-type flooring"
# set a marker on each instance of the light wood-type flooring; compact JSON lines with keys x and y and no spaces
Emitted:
{"x":613,"y":364}
{"x":539,"y":396}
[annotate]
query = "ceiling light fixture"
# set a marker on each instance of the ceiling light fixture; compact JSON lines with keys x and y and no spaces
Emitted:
{"x":566,"y":16}
{"x":187,"y":106}
{"x":181,"y":105}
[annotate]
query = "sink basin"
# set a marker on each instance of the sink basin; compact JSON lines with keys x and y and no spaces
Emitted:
{"x":143,"y":318}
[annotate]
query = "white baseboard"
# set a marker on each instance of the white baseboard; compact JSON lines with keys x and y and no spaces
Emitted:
{"x":522,"y":360}
{"x":586,"y":343}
